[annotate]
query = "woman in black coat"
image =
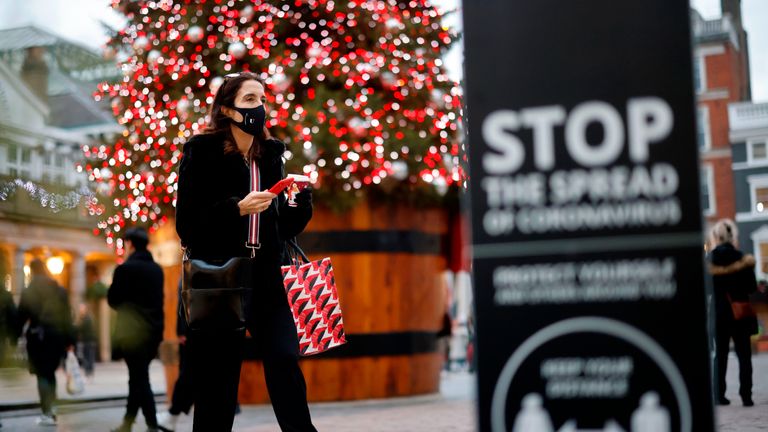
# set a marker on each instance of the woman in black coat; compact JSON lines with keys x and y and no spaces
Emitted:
{"x":213,"y":206}
{"x":45,"y":307}
{"x":733,"y":275}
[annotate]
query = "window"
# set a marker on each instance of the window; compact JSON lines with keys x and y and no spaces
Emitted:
{"x":759,"y":239}
{"x":757,"y":151}
{"x":55,"y":168}
{"x":3,"y":158}
{"x":758,"y":185}
{"x":699,"y":74}
{"x":18,"y":162}
{"x":702,"y":128}
{"x":13,"y":154}
{"x":707,"y":190}
{"x":761,"y":199}
{"x":763,"y":264}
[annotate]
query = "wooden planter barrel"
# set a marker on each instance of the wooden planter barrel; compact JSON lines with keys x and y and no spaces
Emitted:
{"x":387,"y":263}
{"x":164,"y":245}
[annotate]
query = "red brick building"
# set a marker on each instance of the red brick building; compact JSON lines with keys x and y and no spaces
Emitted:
{"x":721,"y":76}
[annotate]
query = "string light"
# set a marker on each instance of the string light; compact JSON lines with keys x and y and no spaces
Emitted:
{"x":52,"y":201}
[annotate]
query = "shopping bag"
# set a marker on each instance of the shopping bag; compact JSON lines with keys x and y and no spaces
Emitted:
{"x":75,"y":380}
{"x":314,"y":302}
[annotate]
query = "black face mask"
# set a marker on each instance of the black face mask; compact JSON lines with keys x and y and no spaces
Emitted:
{"x":253,"y":120}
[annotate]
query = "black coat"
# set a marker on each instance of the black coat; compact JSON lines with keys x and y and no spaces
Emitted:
{"x":45,"y":306}
{"x":733,"y":275}
{"x":208,"y":220}
{"x":137,"y":296}
{"x":211,"y":183}
{"x":8,"y":320}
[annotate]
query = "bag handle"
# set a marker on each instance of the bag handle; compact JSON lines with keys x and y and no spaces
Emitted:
{"x":295,"y":252}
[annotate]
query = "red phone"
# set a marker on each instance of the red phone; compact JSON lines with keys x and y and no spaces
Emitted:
{"x":281,"y":185}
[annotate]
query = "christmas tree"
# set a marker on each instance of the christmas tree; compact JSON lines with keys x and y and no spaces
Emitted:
{"x":356,"y":89}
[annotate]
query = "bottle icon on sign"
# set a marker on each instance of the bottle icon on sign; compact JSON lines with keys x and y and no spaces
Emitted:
{"x":650,"y":416}
{"x":533,"y":417}
{"x":610,"y":426}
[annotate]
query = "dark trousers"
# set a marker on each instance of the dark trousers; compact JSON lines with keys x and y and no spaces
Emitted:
{"x":87,"y":356}
{"x":183,"y":397}
{"x":46,"y":388}
{"x":215,"y":364}
{"x":217,"y":357}
{"x":139,"y":389}
{"x":743,"y":348}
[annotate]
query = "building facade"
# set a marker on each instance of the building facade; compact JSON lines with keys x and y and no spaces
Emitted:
{"x":721,"y":77}
{"x":47,"y":113}
{"x":749,"y":137}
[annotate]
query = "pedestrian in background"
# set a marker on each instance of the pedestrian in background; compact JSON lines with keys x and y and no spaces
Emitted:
{"x":44,"y":309}
{"x":733,"y":275}
{"x":136,"y":294}
{"x":214,"y":205}
{"x":86,"y":340}
{"x":7,"y":326}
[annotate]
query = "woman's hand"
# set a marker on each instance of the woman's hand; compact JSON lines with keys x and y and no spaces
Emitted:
{"x":255,"y":202}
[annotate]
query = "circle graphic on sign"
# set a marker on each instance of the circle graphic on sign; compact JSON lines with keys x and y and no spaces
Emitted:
{"x":649,"y":414}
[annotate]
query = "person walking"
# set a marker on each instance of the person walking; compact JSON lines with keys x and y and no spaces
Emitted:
{"x":136,"y":294}
{"x":733,"y":275}
{"x":44,"y":309}
{"x":86,"y":340}
{"x":213,"y":208}
{"x":7,"y":326}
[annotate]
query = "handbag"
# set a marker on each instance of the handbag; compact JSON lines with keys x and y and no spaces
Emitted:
{"x":741,"y":309}
{"x":314,"y":302}
{"x":213,"y":295}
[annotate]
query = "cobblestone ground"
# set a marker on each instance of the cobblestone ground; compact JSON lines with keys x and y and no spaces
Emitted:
{"x":735,"y":417}
{"x":452,"y":410}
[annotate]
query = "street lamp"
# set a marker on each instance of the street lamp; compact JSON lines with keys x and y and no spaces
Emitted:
{"x":55,"y":265}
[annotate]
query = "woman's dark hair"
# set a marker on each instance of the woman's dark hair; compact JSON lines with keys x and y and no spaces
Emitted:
{"x":219,"y":123}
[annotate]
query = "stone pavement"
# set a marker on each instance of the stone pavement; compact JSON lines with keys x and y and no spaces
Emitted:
{"x":736,"y":418}
{"x":452,"y":410}
{"x":18,"y":387}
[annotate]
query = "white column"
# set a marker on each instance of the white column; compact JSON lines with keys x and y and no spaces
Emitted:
{"x":105,"y":341}
{"x":463,"y":294}
{"x":77,"y":280}
{"x":17,"y":271}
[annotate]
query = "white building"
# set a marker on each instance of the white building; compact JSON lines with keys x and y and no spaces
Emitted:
{"x":47,"y":114}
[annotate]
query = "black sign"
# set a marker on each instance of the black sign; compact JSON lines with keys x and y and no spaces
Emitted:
{"x":586,"y":219}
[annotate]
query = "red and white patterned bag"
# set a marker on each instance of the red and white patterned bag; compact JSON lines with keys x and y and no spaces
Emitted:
{"x":314,"y":302}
